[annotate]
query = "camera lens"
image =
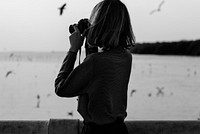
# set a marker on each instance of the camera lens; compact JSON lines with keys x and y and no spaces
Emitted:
{"x":71,"y":29}
{"x":82,"y":25}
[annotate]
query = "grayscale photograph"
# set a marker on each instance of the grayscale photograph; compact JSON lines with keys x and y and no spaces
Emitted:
{"x":100,"y":66}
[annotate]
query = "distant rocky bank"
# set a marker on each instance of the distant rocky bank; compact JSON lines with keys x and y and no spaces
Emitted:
{"x":187,"y":48}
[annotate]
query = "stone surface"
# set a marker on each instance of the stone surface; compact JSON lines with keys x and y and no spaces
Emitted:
{"x":163,"y":127}
{"x":66,"y":126}
{"x":23,"y":127}
{"x":63,"y":126}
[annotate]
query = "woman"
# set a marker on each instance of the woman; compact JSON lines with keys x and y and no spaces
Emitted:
{"x":101,"y":81}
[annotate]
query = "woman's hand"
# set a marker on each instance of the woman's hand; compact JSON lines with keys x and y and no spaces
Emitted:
{"x":76,"y":40}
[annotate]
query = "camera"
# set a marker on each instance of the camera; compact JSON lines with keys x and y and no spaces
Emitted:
{"x":83,"y":25}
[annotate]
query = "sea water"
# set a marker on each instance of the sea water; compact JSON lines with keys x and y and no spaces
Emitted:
{"x":160,"y":88}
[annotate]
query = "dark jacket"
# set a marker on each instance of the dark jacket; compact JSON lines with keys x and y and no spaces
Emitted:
{"x":101,"y":82}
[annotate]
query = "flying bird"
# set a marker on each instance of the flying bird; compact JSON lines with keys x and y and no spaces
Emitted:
{"x":11,"y":55}
{"x":38,"y":101}
{"x":158,"y":9}
{"x":8,"y":73}
{"x":149,"y":94}
{"x":70,"y":114}
{"x":62,"y":8}
{"x":132,"y":92}
{"x":160,"y":91}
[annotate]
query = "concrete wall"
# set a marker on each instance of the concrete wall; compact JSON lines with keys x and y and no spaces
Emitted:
{"x":65,"y":126}
{"x":24,"y":127}
{"x":163,"y":127}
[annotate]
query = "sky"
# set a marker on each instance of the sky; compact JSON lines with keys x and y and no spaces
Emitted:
{"x":35,"y":25}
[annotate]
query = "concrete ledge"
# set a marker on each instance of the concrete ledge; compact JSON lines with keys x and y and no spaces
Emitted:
{"x":163,"y":127}
{"x":23,"y":127}
{"x":66,"y":126}
{"x":63,"y":126}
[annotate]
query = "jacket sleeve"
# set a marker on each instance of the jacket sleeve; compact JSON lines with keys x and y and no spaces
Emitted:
{"x":72,"y":82}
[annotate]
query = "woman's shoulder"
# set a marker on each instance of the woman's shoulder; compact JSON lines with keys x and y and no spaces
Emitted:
{"x":128,"y":52}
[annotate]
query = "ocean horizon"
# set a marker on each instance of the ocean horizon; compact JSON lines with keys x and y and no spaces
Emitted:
{"x":160,"y":87}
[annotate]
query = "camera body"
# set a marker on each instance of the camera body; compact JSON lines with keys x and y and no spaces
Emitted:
{"x":83,"y":25}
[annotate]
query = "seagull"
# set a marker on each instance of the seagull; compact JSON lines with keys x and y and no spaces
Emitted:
{"x":11,"y":55}
{"x":38,"y":101}
{"x":132,"y":91}
{"x":62,"y":8}
{"x":149,"y":94}
{"x":8,"y":73}
{"x":70,"y":113}
{"x":160,"y":91}
{"x":158,"y":9}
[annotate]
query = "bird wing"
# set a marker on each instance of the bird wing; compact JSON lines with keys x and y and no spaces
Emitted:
{"x":61,"y":11}
{"x":160,"y":5}
{"x":63,"y":6}
{"x":9,"y":72}
{"x":153,"y":11}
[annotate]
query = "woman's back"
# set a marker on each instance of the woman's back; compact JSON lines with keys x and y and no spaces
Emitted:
{"x":107,"y":90}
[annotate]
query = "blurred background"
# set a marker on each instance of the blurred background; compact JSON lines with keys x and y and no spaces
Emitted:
{"x":32,"y":25}
{"x":34,"y":42}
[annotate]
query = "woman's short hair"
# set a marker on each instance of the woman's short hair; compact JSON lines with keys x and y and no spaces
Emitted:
{"x":110,"y":25}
